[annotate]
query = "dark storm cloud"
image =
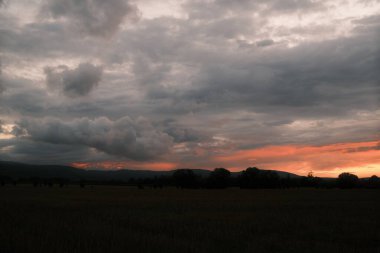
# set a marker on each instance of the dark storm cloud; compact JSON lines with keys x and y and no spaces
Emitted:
{"x":29,"y":151}
{"x":134,"y":139}
{"x":324,"y":74}
{"x":76,"y":82}
{"x":94,"y":17}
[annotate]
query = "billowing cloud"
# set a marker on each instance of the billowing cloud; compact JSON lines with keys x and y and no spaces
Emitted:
{"x":37,"y":152}
{"x":183,"y":134}
{"x":76,"y":82}
{"x":133,"y":139}
{"x":94,"y":17}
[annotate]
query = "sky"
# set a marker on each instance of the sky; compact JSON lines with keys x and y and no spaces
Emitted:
{"x":290,"y":85}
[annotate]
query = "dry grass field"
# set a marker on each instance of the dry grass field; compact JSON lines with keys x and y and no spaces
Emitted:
{"x":124,"y":219}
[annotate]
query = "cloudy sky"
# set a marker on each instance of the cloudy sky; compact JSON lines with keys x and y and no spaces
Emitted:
{"x":291,"y":85}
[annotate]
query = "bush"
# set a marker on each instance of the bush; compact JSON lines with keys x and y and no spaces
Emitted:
{"x":219,"y":178}
{"x":185,"y":178}
{"x":347,"y":181}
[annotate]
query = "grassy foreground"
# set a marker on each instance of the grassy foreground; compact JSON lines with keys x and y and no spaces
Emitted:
{"x":124,"y":219}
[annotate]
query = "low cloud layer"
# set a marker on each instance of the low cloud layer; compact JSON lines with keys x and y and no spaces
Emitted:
{"x":75,"y":82}
{"x":133,"y":139}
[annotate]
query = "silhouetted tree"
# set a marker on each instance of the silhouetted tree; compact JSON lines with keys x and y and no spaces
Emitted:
{"x":185,"y":178}
{"x":219,"y":178}
{"x":312,"y":181}
{"x":347,"y":180}
{"x":252,"y":177}
{"x":374,"y":182}
{"x":249,"y":178}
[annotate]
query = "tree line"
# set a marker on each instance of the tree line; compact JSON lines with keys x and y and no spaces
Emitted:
{"x":219,"y":178}
{"x":253,"y":178}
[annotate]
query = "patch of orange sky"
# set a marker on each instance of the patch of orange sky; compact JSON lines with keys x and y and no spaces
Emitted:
{"x":360,"y":158}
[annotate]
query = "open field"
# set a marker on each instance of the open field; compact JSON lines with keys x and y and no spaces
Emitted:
{"x":124,"y":219}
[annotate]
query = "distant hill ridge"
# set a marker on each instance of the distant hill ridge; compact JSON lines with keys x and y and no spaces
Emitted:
{"x":22,"y":170}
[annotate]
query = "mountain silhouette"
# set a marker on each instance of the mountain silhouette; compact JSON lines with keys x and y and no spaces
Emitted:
{"x":18,"y":170}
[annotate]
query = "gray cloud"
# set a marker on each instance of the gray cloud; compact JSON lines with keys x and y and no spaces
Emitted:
{"x":362,"y":149}
{"x":30,"y":151}
{"x":24,"y":101}
{"x":134,"y":139}
{"x":199,"y":9}
{"x":182,"y":133}
{"x":294,"y":5}
{"x":314,"y":76}
{"x":370,"y":20}
{"x":94,"y":17}
{"x":44,"y":40}
{"x":2,"y":88}
{"x":75,"y":82}
{"x":264,"y":43}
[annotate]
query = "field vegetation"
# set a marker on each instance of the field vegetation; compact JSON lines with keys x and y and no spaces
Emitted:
{"x":128,"y":219}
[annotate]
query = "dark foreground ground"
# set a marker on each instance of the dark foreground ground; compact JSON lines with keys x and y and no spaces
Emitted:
{"x":123,"y":219}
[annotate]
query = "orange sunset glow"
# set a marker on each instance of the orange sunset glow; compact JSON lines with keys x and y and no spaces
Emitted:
{"x":361,"y":158}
